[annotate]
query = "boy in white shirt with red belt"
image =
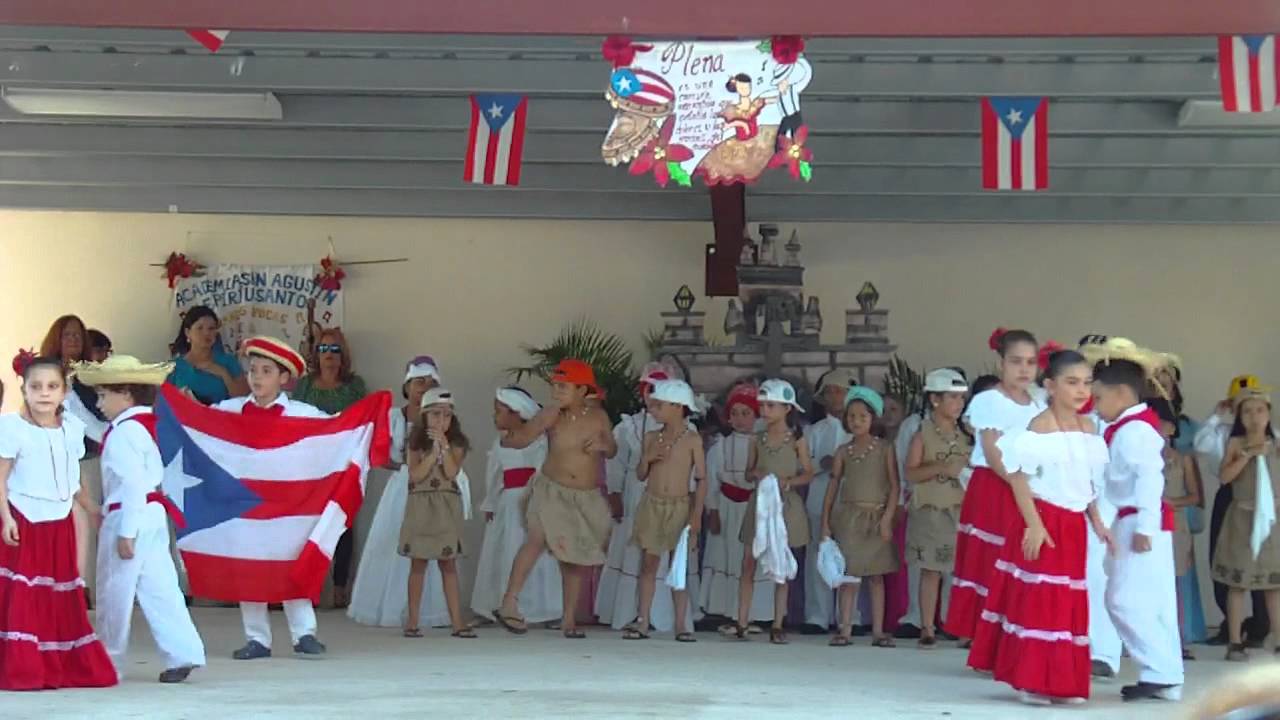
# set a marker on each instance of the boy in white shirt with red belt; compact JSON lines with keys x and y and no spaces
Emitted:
{"x":133,"y":544}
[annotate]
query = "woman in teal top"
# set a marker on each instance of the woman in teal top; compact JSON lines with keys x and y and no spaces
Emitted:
{"x":201,"y":364}
{"x":333,"y":387}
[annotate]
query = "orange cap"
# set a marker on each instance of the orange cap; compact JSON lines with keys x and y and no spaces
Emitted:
{"x":576,"y":372}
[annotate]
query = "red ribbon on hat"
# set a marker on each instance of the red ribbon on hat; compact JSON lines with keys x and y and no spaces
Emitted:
{"x":619,"y":50}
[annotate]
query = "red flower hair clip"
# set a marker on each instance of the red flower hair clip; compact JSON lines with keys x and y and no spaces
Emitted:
{"x":997,"y":335}
{"x":1046,"y":351}
{"x":22,"y":360}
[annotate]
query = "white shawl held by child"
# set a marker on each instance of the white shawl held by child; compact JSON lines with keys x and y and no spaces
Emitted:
{"x":831,"y":565}
{"x":770,"y":545}
{"x":1264,"y":510}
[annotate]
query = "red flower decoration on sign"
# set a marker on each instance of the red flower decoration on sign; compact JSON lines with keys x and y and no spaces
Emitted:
{"x":997,"y":335}
{"x":22,"y":360}
{"x":660,"y":155}
{"x":786,"y":49}
{"x":619,"y":50}
{"x":795,"y":155}
{"x":1046,"y":351}
{"x":178,"y":266}
{"x":331,"y":275}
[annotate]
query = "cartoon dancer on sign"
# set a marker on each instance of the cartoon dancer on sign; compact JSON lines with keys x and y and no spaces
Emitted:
{"x":790,"y":80}
{"x":744,"y":154}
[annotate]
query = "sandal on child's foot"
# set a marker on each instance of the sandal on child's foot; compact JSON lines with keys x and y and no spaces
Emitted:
{"x":514,"y":624}
{"x":465,"y":633}
{"x":778,"y":637}
{"x":884,"y":641}
{"x":964,"y":644}
{"x":1236,"y":652}
{"x":634,"y":633}
{"x":840,"y":641}
{"x":412,"y":632}
{"x":686,"y":637}
{"x":741,"y":632}
{"x":1187,"y":654}
{"x":574,"y":634}
{"x":927,"y":642}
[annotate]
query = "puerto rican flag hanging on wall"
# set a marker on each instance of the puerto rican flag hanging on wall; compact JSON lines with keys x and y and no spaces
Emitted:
{"x":1015,"y":143}
{"x":495,"y":144}
{"x":265,"y":498}
{"x":1247,"y":72}
{"x":210,"y":39}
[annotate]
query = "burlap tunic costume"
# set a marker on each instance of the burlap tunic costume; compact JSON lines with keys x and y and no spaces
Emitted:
{"x":433,"y":521}
{"x":1175,"y":486}
{"x":576,"y":523}
{"x":858,"y":509}
{"x":659,"y":522}
{"x":1233,"y":561}
{"x":935,"y":503}
{"x":781,"y":462}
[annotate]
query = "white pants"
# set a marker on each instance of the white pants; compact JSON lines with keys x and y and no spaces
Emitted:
{"x":1142,"y":602}
{"x":819,"y":598}
{"x":257,"y":622}
{"x":1104,"y":641}
{"x":150,"y":577}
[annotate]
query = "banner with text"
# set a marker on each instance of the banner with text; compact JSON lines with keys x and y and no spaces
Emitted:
{"x":261,"y":300}
{"x":721,"y":111}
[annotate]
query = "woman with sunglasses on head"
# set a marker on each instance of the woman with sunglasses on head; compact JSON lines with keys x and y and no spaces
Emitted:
{"x":333,"y":387}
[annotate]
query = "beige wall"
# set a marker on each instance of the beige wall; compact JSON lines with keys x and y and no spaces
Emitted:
{"x":473,"y":291}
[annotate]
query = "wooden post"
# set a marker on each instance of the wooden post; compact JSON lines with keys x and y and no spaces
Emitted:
{"x":729,"y":216}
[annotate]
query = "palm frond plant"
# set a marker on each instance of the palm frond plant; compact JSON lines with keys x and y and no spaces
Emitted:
{"x":653,"y":341}
{"x":602,"y":350}
{"x":905,"y":384}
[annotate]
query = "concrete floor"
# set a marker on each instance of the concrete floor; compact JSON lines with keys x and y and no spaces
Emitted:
{"x":376,"y":673}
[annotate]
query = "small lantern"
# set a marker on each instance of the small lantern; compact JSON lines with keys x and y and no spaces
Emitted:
{"x":684,"y":299}
{"x":867,"y":297}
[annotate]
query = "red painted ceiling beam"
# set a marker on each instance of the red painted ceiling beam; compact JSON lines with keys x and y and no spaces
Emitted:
{"x":670,"y":18}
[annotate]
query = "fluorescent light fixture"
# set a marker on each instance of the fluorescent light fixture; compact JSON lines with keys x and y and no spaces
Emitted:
{"x":143,"y":104}
{"x":1209,"y":114}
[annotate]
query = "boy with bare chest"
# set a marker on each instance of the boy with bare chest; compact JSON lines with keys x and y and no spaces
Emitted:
{"x":567,"y":514}
{"x":672,"y":456}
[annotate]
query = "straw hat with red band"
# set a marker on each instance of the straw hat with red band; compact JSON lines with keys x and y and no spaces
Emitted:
{"x":277,"y":350}
{"x":577,"y":372}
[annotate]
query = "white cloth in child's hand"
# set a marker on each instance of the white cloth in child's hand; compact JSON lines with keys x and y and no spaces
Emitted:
{"x":770,"y":546}
{"x":678,"y":568}
{"x":831,"y":565}
{"x":1264,"y":511}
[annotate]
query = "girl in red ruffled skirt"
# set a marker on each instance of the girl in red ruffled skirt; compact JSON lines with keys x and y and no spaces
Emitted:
{"x":988,"y":505}
{"x":1033,"y":631}
{"x":46,"y":641}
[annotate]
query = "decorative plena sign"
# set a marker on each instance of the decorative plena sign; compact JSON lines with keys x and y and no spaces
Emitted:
{"x":721,"y":111}
{"x":261,"y":300}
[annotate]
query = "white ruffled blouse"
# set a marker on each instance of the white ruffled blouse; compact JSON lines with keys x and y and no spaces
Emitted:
{"x":1063,"y":468}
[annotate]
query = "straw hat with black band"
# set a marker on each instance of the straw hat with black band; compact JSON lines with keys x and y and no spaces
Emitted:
{"x":123,"y":370}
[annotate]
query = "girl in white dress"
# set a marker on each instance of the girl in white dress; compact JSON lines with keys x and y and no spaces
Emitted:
{"x":727,"y":497}
{"x":378,"y":596}
{"x":506,"y":485}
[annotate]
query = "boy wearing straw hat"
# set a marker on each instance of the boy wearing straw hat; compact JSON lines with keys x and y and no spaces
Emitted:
{"x":133,"y":543}
{"x":1141,"y":596}
{"x":566,"y":514}
{"x":272,"y":364}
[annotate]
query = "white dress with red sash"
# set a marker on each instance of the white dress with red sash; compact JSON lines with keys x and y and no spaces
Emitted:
{"x":507,"y":478}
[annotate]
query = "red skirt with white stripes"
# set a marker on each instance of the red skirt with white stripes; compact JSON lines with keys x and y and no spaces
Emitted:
{"x":46,"y":641}
{"x":1034,"y":633}
{"x":985,"y":515}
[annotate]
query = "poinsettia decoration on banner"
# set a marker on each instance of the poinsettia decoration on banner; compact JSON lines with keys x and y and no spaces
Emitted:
{"x":722,"y":111}
{"x":178,"y":266}
{"x":794,"y":155}
{"x":664,"y":158}
{"x":22,"y":360}
{"x":331,"y":274}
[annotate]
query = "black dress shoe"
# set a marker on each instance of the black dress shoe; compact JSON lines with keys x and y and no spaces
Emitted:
{"x":907,"y":631}
{"x":1220,"y":639}
{"x":811,"y":629}
{"x":861,"y":630}
{"x":1151,"y":691}
{"x":309,"y":645}
{"x":176,"y":675}
{"x":1099,"y":669}
{"x":944,"y":635}
{"x":252,"y":650}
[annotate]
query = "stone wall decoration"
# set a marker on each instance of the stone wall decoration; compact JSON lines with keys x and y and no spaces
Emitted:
{"x":721,"y":111}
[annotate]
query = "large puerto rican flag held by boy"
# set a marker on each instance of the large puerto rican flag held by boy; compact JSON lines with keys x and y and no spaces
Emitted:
{"x":1247,"y":72}
{"x":1015,"y":143}
{"x":495,"y":144}
{"x":265,"y":497}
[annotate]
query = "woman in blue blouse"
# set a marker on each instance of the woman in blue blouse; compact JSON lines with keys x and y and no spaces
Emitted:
{"x":201,"y":365}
